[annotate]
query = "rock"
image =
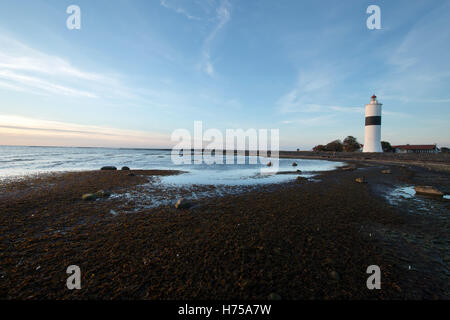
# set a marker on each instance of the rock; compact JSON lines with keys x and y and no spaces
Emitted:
{"x":102,"y":194}
{"x":360,"y":180}
{"x":88,"y":197}
{"x":109,"y":168}
{"x":125,"y":168}
{"x":428,"y":190}
{"x":183,"y":204}
{"x":269,"y":164}
{"x":294,"y":164}
{"x":387,"y":171}
{"x":335,"y":276}
{"x":299,"y":171}
{"x":274,"y":296}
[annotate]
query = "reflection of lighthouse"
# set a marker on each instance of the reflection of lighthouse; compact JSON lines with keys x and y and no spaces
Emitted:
{"x":372,"y":132}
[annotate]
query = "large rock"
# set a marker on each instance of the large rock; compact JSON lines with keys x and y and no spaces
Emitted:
{"x":109,"y":168}
{"x":183,"y":204}
{"x":88,"y":197}
{"x":428,"y":190}
{"x":125,"y":168}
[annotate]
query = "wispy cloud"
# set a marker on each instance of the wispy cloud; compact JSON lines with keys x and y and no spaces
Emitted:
{"x":311,"y":89}
{"x":418,"y":69}
{"x":22,"y":130}
{"x":178,"y":9}
{"x":312,"y":121}
{"x":223,"y":15}
{"x":23,"y":68}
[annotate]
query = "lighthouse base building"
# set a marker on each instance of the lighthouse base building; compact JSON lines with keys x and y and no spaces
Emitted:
{"x":372,"y":131}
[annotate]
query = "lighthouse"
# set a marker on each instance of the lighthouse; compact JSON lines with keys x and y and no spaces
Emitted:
{"x":372,"y":132}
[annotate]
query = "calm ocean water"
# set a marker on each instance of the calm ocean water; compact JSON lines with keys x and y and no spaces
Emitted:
{"x":21,"y":161}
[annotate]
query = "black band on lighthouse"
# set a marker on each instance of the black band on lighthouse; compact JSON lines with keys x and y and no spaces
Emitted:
{"x":373,"y":121}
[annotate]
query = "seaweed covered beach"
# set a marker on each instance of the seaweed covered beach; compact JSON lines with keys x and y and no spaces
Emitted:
{"x":303,"y":239}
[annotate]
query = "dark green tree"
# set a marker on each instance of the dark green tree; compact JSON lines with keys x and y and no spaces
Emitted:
{"x":319,"y":148}
{"x":386,"y":146}
{"x":351,"y":144}
{"x":335,"y":146}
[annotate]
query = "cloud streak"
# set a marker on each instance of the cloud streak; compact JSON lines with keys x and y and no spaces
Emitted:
{"x":22,"y":130}
{"x":223,"y":16}
{"x":25,"y":69}
{"x":178,"y":9}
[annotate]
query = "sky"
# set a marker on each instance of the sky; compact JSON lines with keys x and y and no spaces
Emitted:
{"x":138,"y":70}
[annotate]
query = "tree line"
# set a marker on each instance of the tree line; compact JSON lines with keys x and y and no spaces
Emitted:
{"x":350,"y":144}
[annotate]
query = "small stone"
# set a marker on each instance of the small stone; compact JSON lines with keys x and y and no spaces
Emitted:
{"x":183,"y":204}
{"x":109,"y":168}
{"x":428,"y":190}
{"x":335,"y":276}
{"x":102,"y":194}
{"x":360,"y":180}
{"x":88,"y":197}
{"x":269,"y":164}
{"x":294,"y":164}
{"x":125,"y":168}
{"x":274,"y":296}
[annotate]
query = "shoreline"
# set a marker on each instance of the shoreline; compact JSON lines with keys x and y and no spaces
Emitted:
{"x":299,"y":240}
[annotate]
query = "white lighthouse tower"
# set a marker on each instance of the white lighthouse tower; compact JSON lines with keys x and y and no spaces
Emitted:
{"x":372,"y":132}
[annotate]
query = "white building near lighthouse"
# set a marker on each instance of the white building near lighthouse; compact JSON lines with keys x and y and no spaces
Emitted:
{"x":372,"y":132}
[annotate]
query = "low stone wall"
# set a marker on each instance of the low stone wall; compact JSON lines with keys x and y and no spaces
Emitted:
{"x":428,"y":157}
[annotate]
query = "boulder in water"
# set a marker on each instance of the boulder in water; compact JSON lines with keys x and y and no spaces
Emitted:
{"x":109,"y":168}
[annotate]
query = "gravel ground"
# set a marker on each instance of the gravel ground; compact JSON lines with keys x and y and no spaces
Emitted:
{"x":299,"y":240}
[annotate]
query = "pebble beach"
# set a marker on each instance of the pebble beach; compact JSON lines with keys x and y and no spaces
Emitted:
{"x":303,"y":239}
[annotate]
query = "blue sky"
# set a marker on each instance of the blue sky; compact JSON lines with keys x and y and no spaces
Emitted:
{"x":138,"y":70}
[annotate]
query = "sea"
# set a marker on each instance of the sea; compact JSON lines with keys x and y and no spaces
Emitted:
{"x":19,"y":161}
